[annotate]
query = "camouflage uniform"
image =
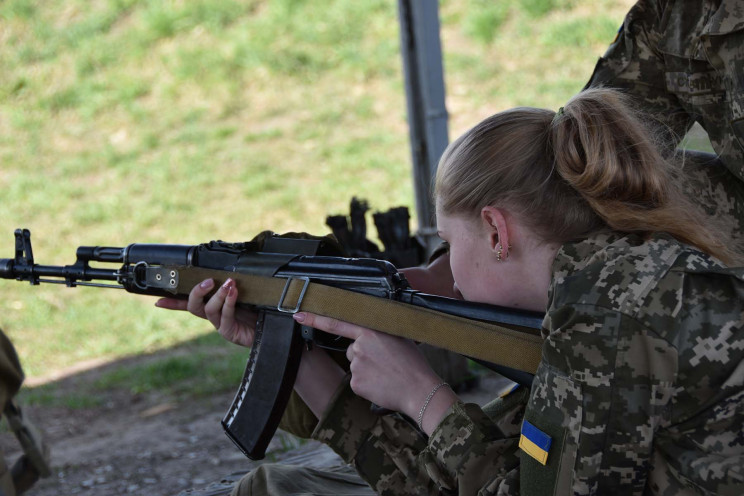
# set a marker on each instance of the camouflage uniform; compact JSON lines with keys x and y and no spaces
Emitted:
{"x":641,"y":390}
{"x":34,"y":462}
{"x":11,"y":378}
{"x":684,"y":61}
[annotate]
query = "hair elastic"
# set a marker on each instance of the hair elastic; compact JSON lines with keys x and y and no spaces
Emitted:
{"x":557,"y":115}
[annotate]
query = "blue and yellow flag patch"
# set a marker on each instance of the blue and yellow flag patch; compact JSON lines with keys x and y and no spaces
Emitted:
{"x":535,"y":442}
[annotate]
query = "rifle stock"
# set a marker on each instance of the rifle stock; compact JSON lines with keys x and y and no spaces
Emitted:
{"x":274,"y":282}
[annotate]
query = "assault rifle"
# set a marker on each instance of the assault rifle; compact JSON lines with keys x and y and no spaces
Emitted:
{"x":285,"y":276}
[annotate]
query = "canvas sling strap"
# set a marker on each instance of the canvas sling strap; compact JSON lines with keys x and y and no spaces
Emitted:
{"x":517,"y":348}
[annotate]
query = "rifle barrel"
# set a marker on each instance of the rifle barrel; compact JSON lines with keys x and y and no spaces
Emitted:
{"x":9,"y":269}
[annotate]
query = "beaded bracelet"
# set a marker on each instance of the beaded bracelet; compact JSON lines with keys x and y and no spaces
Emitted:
{"x":426,"y":403}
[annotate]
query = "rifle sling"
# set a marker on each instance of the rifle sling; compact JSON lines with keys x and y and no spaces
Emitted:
{"x":518,"y":348}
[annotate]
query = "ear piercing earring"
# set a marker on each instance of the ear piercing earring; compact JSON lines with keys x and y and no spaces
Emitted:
{"x":500,"y":252}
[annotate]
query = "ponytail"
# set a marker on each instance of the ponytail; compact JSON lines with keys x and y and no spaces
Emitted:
{"x":611,"y":158}
{"x":594,"y":166}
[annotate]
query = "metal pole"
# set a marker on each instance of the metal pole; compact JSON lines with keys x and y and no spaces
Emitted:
{"x":425,"y":96}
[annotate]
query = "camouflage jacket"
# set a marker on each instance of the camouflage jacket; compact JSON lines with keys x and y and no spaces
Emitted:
{"x":640,"y":391}
{"x":683,"y":60}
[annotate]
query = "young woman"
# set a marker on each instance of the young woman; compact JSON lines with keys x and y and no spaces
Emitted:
{"x":641,"y":385}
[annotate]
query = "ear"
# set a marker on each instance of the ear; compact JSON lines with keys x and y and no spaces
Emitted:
{"x":494,"y":221}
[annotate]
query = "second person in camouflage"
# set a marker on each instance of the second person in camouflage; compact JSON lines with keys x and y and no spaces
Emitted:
{"x":683,"y":62}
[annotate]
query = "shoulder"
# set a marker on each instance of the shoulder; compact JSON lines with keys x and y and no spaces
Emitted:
{"x":657,"y":282}
{"x":621,"y":273}
{"x":610,"y":270}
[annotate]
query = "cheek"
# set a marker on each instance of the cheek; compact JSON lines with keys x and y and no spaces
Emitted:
{"x":471,"y":276}
{"x":463,"y":272}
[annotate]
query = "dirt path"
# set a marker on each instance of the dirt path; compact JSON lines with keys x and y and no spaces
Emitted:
{"x":155,"y":446}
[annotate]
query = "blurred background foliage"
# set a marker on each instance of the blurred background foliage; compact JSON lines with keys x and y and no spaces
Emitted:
{"x":182,"y":121}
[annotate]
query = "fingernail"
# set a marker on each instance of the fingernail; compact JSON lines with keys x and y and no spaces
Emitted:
{"x":299,"y":317}
{"x":207,"y":283}
{"x":227,"y":283}
{"x":231,"y":291}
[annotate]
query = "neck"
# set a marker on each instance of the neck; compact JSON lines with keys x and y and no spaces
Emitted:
{"x":532,"y":265}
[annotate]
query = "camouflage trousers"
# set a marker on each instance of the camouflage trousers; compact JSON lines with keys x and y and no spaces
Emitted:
{"x":283,"y":480}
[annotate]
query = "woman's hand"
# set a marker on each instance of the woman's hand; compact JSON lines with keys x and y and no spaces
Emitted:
{"x":318,"y":376}
{"x":234,"y":323}
{"x":387,"y":370}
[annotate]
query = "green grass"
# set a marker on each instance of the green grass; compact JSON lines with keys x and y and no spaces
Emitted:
{"x":180,"y":122}
{"x":201,"y":366}
{"x":47,"y":396}
{"x":199,"y":372}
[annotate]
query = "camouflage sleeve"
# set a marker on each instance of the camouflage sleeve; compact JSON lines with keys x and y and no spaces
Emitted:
{"x":11,"y":373}
{"x":632,"y":63}
{"x":468,"y":453}
{"x":383,"y":449}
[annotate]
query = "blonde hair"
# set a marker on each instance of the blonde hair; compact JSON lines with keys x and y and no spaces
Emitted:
{"x":593,"y":166}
